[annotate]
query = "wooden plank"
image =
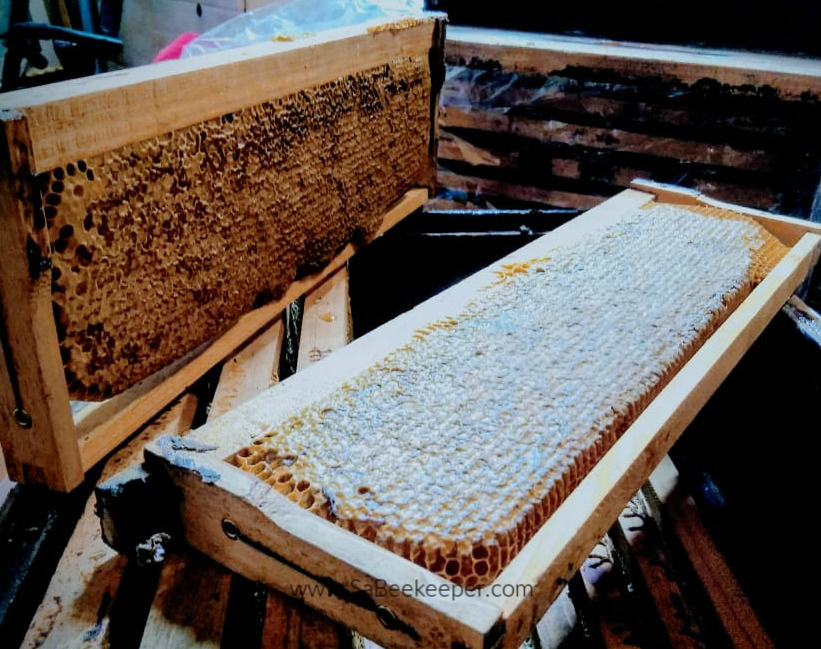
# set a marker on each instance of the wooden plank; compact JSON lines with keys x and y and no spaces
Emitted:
{"x":191,"y":602}
{"x":326,"y":326}
{"x":453,"y":147}
{"x":250,"y":371}
{"x":679,"y":619}
{"x":606,"y":139}
{"x":36,"y":427}
{"x":118,"y":108}
{"x":679,"y":516}
{"x":564,"y":540}
{"x":76,"y":608}
{"x":489,"y":188}
{"x":94,"y":440}
{"x":326,"y":321}
{"x":189,"y":606}
{"x":601,"y":102}
{"x":544,"y":53}
{"x":487,"y":160}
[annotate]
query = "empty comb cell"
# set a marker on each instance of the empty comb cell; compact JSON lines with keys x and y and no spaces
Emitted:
{"x":161,"y":245}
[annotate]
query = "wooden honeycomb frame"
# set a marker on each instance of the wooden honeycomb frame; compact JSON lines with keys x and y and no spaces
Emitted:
{"x":248,"y":527}
{"x":56,"y":140}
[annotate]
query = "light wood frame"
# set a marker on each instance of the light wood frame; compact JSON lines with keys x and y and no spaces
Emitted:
{"x":242,"y":523}
{"x":43,"y":440}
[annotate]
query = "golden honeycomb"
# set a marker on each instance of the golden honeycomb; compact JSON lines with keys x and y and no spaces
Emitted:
{"x":160,"y":245}
{"x":455,"y":448}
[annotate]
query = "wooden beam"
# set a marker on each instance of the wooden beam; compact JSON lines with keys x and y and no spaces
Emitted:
{"x":253,"y":369}
{"x":791,"y":76}
{"x":490,"y":188}
{"x":189,"y":607}
{"x":679,"y":517}
{"x":604,"y":139}
{"x":36,"y":427}
{"x":326,"y":321}
{"x":511,"y":156}
{"x":81,"y":118}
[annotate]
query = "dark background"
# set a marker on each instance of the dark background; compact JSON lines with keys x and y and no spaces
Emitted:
{"x":789,"y":26}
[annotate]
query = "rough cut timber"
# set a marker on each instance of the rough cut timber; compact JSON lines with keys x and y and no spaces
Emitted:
{"x":162,"y":203}
{"x":567,"y":122}
{"x":241,"y":521}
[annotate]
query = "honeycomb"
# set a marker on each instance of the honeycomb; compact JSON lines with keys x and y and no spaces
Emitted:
{"x":455,"y":448}
{"x":161,"y":245}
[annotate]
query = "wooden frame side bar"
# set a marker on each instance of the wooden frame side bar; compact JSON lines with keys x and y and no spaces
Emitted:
{"x":252,"y":529}
{"x":545,"y":53}
{"x":119,"y":108}
{"x":37,"y":429}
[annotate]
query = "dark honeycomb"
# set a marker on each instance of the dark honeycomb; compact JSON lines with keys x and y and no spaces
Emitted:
{"x":161,"y":245}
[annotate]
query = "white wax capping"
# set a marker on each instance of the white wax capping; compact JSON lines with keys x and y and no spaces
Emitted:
{"x":463,"y":430}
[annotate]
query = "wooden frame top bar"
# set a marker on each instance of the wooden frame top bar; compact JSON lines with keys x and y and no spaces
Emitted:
{"x":83,"y":117}
{"x":543,"y":53}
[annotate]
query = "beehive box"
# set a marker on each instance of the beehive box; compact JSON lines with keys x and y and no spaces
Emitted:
{"x":538,"y":119}
{"x":538,"y":452}
{"x":146,"y":211}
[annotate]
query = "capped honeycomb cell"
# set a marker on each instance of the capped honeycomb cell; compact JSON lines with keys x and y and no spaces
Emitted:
{"x":455,"y":448}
